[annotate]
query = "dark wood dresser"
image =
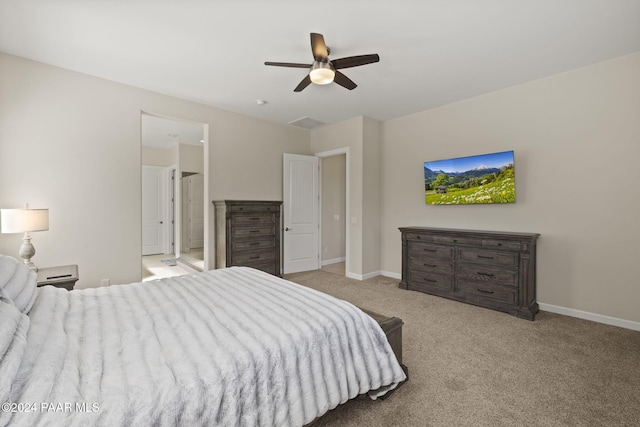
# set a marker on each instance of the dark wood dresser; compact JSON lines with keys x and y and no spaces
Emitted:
{"x":491,"y":269}
{"x":248,"y":234}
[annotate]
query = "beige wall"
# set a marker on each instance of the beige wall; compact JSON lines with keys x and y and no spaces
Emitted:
{"x":333,"y":203}
{"x":347,"y":134}
{"x":79,"y":138}
{"x":576,"y":138}
{"x":191,"y":158}
{"x":361,"y":136}
{"x":371,"y":197}
{"x":153,"y":156}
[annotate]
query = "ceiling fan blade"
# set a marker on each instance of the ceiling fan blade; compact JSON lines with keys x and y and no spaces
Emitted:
{"x":319,"y":48}
{"x":288,"y":64}
{"x":304,"y":83}
{"x":355,"y":61}
{"x":344,"y":81}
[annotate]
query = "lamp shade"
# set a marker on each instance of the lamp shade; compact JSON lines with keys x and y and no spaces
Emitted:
{"x":23,"y":220}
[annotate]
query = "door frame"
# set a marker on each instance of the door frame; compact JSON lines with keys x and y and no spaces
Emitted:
{"x":347,"y":228}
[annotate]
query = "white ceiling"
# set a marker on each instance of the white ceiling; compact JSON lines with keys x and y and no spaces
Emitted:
{"x":433,"y":52}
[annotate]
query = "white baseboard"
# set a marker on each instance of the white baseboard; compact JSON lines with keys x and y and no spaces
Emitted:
{"x":391,"y":274}
{"x":333,"y":261}
{"x":599,"y":318}
{"x":363,"y":276}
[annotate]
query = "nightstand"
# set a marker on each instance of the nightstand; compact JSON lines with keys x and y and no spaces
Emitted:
{"x":64,"y":276}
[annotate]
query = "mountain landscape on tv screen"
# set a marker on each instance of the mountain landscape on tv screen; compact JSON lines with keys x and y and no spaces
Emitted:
{"x":468,"y":180}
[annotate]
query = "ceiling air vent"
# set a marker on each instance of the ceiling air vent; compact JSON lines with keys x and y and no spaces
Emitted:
{"x":307,"y":123}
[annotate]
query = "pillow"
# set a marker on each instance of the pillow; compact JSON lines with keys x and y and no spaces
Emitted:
{"x":17,"y":283}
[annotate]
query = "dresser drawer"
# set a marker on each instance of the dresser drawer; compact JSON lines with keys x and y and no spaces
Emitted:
{"x":258,"y":230}
{"x":501,"y":244}
{"x":470,"y":241}
{"x":256,"y":208}
{"x":487,"y":274}
{"x":430,"y":250}
{"x":262,"y":242}
{"x":478,"y":291}
{"x":507,"y":259}
{"x":253,"y":257}
{"x":248,"y":219}
{"x":423,"y":281}
{"x":417,"y":236}
{"x":432,"y":265}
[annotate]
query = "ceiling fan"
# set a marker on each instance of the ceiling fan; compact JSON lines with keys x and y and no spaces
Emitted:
{"x":323,"y":71}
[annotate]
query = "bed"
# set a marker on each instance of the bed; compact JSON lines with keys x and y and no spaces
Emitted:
{"x":228,"y":347}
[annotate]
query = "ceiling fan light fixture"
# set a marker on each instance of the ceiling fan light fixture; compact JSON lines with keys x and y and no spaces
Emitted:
{"x":322,"y":73}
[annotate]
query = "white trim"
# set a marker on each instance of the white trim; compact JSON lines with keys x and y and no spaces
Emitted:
{"x":391,"y":274}
{"x":333,"y":261}
{"x":347,"y":227}
{"x":363,"y":276}
{"x":599,"y":318}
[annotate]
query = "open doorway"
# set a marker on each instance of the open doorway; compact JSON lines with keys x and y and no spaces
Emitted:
{"x":333,"y":215}
{"x":172,"y":155}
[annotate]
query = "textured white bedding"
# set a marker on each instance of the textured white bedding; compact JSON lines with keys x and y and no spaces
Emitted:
{"x":231,"y":347}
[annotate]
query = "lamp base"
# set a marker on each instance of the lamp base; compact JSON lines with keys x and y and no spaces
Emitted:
{"x":27,"y":251}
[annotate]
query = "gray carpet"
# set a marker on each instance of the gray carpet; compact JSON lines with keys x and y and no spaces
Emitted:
{"x":470,"y":366}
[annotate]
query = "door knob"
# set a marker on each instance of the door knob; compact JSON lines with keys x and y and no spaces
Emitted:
{"x":161,"y":222}
{"x":287,"y":229}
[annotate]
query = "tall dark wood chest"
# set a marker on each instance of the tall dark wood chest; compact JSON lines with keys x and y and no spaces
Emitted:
{"x":491,"y":269}
{"x":248,"y":234}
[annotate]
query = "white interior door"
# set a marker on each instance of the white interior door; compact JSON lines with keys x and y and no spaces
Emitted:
{"x":196,"y":210}
{"x":152,"y":210}
{"x":301,"y":250}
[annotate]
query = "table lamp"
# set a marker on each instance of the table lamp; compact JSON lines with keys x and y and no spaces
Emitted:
{"x":24,"y":221}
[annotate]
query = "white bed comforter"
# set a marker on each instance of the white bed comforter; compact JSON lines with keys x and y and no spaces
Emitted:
{"x":232,"y":347}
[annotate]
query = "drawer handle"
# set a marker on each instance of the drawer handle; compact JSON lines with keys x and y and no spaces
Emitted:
{"x":485,"y":257}
{"x":480,"y":273}
{"x":455,"y":240}
{"x":429,"y":250}
{"x":254,"y":243}
{"x":429,"y":265}
{"x":254,"y":219}
{"x":429,"y":280}
{"x":254,"y":231}
{"x":254,"y":257}
{"x":484,"y":292}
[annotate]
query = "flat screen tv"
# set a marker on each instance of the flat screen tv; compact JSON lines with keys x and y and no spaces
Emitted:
{"x":486,"y":178}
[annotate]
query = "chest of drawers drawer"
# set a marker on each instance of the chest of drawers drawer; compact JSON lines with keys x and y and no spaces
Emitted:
{"x":487,"y":274}
{"x":487,"y":257}
{"x":253,"y":257}
{"x":433,"y":265}
{"x":257,"y":230}
{"x":482,"y":291}
{"x":430,"y":282}
{"x":249,"y":219}
{"x":430,"y":250}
